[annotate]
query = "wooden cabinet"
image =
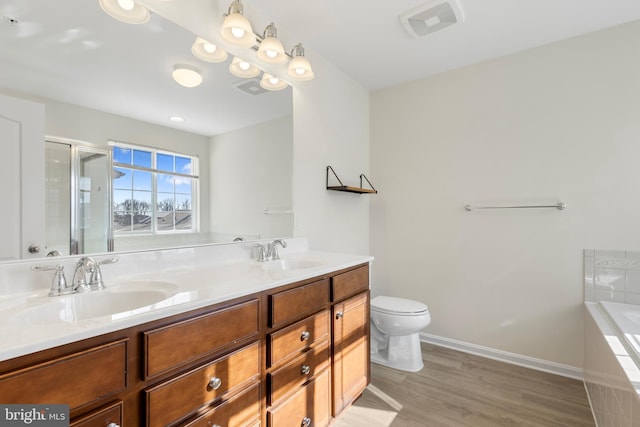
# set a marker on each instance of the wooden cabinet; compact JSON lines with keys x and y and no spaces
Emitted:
{"x":109,"y":416}
{"x":76,"y":379}
{"x":296,"y":355}
{"x":350,"y":350}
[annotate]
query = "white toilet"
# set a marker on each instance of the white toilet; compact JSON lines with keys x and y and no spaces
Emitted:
{"x":395,"y":323}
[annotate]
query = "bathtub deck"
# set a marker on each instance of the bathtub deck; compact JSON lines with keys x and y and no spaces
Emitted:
{"x":459,"y":389}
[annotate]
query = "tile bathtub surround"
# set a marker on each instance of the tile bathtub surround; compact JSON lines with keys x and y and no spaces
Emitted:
{"x":612,"y":275}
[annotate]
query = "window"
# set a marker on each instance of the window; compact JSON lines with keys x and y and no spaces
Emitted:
{"x":153,"y":191}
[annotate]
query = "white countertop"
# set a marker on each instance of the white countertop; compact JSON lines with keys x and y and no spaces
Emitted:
{"x":26,"y":324}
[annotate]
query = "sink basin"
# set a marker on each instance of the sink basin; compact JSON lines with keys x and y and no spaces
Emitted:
{"x":290,"y":264}
{"x":119,"y":301}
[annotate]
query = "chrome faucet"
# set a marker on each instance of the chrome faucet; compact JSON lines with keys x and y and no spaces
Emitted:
{"x":92,"y":267}
{"x":269,"y":251}
{"x":79,"y":282}
{"x":59,"y":285}
{"x":272,"y":249}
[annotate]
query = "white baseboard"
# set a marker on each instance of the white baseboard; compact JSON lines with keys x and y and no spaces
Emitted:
{"x":505,"y":356}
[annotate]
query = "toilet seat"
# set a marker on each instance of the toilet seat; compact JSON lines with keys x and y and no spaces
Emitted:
{"x":398,"y":306}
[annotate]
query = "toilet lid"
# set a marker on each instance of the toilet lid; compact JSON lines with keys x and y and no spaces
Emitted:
{"x":398,"y":305}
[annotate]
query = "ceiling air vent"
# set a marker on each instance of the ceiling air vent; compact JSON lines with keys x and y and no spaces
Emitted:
{"x":250,"y":86}
{"x":432,"y":16}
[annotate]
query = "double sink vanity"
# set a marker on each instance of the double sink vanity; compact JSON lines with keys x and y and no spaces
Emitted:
{"x":202,"y":336}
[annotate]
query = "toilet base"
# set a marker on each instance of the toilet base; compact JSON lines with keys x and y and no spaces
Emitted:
{"x":401,"y":352}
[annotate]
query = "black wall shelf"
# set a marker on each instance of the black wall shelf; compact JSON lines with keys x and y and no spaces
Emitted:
{"x":348,"y":189}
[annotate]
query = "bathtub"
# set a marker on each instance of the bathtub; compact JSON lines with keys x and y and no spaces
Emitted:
{"x":612,"y":362}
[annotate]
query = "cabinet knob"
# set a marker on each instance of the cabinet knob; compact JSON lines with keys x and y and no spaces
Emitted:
{"x":306,"y":422}
{"x":113,"y":425}
{"x":339,"y":315}
{"x":305,"y":369}
{"x":305,"y":336}
{"x":215,"y":383}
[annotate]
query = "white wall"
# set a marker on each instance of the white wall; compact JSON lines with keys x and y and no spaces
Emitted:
{"x":250,"y":173}
{"x":560,"y":122}
{"x":331,"y":127}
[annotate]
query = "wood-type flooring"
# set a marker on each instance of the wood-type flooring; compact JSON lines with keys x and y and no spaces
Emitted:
{"x":459,"y":389}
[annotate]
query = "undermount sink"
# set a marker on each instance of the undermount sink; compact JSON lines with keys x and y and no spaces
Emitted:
{"x":290,"y":264}
{"x":126,"y":298}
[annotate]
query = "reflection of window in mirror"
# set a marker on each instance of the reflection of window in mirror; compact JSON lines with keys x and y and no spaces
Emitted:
{"x":154,"y":191}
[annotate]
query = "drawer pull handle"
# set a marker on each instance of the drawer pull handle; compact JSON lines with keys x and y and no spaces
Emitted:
{"x":305,"y":336}
{"x":306,"y":422}
{"x":339,"y":315}
{"x":113,"y":425}
{"x":215,"y":383}
{"x":305,"y":370}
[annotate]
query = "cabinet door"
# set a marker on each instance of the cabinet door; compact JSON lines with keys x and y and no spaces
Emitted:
{"x":350,"y":350}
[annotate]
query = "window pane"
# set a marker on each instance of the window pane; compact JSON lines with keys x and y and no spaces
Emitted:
{"x":165,"y":202}
{"x":122,"y":200}
{"x":183,"y":185}
{"x":122,"y":221}
{"x":165,"y":163}
{"x":142,"y":180}
{"x":165,"y":183}
{"x":122,"y":178}
{"x":142,"y":158}
{"x":183,"y":165}
{"x":142,"y":212}
{"x":183,"y":202}
{"x":165,"y":221}
{"x":122,"y":155}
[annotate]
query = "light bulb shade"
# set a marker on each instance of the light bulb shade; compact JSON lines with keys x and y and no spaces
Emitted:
{"x":270,"y":82}
{"x":300,"y":69}
{"x":243,"y":69}
{"x":236,"y":29}
{"x":125,"y":11}
{"x":208,"y":52}
{"x":271,"y":51}
{"x":187,"y":76}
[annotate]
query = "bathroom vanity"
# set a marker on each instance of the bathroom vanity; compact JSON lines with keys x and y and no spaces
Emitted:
{"x":293,"y":353}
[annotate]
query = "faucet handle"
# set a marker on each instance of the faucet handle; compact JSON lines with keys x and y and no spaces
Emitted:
{"x":59,"y":284}
{"x":273,"y":249}
{"x":262,"y":252}
{"x":95,"y":280}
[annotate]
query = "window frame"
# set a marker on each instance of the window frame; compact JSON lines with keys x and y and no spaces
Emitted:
{"x":154,"y":151}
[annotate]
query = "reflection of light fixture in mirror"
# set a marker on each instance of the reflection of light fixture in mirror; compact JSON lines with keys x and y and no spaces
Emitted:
{"x":187,"y":76}
{"x":244,"y":69}
{"x":236,"y":28}
{"x":299,"y":66}
{"x":271,"y":49}
{"x":176,"y":119}
{"x":126,"y":11}
{"x":270,"y":82}
{"x":207,"y":51}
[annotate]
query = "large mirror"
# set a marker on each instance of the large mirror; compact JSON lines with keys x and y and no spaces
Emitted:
{"x":108,"y":84}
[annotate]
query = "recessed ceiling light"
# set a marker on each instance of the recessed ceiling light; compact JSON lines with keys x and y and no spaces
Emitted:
{"x":176,"y":119}
{"x":187,"y":76}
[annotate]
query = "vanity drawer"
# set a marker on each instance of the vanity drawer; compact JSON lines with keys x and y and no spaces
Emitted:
{"x":350,"y":283}
{"x":76,"y":379}
{"x":180,"y":343}
{"x":291,"y":376}
{"x":287,"y":306}
{"x":310,"y":402}
{"x":177,"y":398}
{"x":239,"y":411}
{"x":103,"y":417}
{"x":295,"y":339}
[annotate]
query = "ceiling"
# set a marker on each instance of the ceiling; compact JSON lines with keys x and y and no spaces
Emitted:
{"x":366,"y":40}
{"x":80,"y":55}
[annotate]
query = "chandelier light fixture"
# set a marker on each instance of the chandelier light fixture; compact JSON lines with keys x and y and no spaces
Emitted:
{"x":237,"y":31}
{"x":127,"y":11}
{"x":207,"y":51}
